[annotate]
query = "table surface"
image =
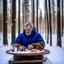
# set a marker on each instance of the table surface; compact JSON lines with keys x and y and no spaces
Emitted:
{"x":25,"y":53}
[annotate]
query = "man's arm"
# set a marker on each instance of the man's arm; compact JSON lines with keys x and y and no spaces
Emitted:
{"x":20,"y":47}
{"x":39,"y":45}
{"x":16,"y":44}
{"x":18,"y":40}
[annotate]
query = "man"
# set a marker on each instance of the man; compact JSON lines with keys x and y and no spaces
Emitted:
{"x":29,"y":39}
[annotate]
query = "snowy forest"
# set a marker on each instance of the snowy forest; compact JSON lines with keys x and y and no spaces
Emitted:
{"x":46,"y":15}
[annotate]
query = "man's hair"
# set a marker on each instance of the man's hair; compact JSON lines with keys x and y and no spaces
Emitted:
{"x":28,"y":24}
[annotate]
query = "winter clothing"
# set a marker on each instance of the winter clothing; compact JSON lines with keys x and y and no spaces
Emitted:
{"x":35,"y":39}
{"x":25,"y":40}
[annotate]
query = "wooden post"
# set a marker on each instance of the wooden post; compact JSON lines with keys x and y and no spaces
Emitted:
{"x":5,"y":22}
{"x":13,"y":19}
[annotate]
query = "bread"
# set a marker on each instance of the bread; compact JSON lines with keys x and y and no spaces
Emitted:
{"x":34,"y":50}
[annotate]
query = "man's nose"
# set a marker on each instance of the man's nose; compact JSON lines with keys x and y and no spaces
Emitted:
{"x":27,"y":30}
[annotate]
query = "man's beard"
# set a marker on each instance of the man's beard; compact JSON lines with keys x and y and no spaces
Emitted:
{"x":28,"y":33}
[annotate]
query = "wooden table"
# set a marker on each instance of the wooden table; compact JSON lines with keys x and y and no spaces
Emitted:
{"x":45,"y":51}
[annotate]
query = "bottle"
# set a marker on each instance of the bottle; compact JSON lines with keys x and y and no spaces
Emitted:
{"x":15,"y":49}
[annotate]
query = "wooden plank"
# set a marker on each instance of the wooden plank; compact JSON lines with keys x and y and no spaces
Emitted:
{"x":27,"y":61}
{"x":29,"y":54}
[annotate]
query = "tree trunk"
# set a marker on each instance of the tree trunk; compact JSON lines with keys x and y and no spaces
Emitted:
{"x":13,"y":19}
{"x":46,"y":9}
{"x":18,"y":17}
{"x":23,"y":11}
{"x":62,"y":17}
{"x":50,"y":23}
{"x":5,"y":22}
{"x":53,"y":17}
{"x":37,"y":14}
{"x":33,"y":12}
{"x":58,"y":24}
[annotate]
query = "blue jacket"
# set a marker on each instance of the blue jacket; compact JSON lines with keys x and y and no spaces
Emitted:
{"x":26,"y":40}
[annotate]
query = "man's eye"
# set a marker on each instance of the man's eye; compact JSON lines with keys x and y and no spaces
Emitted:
{"x":28,"y":29}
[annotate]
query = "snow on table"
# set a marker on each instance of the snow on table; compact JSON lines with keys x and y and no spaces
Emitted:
{"x":27,"y":51}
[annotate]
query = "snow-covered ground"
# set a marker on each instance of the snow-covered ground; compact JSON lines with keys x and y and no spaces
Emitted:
{"x":3,"y":56}
{"x":56,"y":55}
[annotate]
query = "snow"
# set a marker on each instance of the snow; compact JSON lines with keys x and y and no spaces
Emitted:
{"x":3,"y":56}
{"x":56,"y":55}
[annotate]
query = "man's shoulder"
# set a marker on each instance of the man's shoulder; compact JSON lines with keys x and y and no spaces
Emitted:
{"x":21,"y":34}
{"x":38,"y":33}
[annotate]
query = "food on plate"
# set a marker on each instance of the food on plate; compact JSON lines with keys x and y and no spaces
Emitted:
{"x":34,"y":50}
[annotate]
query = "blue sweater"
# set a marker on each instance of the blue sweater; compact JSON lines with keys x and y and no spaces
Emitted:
{"x":26,"y":40}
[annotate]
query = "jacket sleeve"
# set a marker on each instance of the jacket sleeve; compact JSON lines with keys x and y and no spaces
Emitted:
{"x":40,"y":38}
{"x":40,"y":44}
{"x":18,"y":40}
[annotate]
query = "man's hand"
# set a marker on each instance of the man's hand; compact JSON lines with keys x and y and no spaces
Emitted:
{"x":21,"y":48}
{"x":39,"y":45}
{"x":16,"y":44}
{"x":30,"y":46}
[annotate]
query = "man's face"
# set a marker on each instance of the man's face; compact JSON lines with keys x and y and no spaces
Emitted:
{"x":28,"y":30}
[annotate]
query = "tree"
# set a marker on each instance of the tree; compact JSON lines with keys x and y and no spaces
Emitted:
{"x":5,"y":22}
{"x":37,"y":14}
{"x":46,"y":20}
{"x":50,"y":23}
{"x":19,"y":17}
{"x":33,"y":11}
{"x":62,"y":17}
{"x":58,"y":24}
{"x":25,"y":10}
{"x":13,"y":19}
{"x":53,"y":16}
